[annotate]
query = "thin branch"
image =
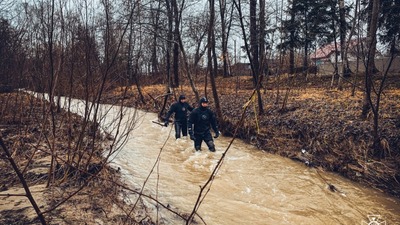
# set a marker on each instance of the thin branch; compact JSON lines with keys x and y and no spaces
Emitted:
{"x":208,"y":183}
{"x":23,"y":182}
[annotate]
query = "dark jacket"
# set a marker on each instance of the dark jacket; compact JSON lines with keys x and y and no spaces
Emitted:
{"x":203,"y":120}
{"x":180,"y":109}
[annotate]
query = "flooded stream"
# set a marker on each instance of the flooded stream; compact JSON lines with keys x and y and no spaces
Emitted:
{"x":251,"y":187}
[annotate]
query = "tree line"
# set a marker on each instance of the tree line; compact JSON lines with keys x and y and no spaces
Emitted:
{"x":83,"y":48}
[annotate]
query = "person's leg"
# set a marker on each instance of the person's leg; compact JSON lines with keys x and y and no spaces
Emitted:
{"x":184,"y":128}
{"x":178,"y":128}
{"x":209,"y":141}
{"x":197,"y":141}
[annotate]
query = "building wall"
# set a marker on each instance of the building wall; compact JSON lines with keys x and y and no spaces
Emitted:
{"x":327,"y":68}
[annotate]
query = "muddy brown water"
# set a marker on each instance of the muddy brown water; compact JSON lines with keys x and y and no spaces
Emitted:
{"x":251,"y":187}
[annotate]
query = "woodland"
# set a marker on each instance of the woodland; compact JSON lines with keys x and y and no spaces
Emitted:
{"x":255,"y":61}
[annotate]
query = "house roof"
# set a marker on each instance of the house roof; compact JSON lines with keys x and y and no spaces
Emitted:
{"x":325,"y":51}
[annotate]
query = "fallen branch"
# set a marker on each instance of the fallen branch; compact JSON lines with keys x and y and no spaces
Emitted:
{"x":10,"y":195}
{"x":23,"y":182}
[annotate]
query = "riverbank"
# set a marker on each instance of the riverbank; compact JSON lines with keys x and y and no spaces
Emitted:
{"x":304,"y":120}
{"x":81,"y":188}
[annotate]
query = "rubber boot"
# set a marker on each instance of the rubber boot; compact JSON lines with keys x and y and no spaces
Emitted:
{"x":211,"y":146}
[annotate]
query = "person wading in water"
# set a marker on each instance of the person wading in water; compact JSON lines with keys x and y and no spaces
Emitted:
{"x":201,"y":120}
{"x":180,"y":108}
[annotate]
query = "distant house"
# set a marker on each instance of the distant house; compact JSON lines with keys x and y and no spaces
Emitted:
{"x":327,"y":53}
{"x":324,"y":58}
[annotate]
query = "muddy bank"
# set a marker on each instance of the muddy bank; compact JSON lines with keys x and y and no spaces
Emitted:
{"x":326,"y":134}
{"x":304,"y":120}
{"x":82,"y":188}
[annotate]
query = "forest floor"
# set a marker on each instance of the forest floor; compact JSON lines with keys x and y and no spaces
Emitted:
{"x":90,"y":194}
{"x":303,"y":119}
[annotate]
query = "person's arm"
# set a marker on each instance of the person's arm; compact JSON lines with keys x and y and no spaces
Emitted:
{"x":171,"y":110}
{"x":214,"y":124}
{"x":190,"y":125}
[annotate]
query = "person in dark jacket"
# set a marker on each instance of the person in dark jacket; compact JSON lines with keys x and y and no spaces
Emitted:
{"x":201,"y":120}
{"x":180,"y":108}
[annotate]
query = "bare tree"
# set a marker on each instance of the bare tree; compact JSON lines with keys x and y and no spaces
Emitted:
{"x":371,"y":51}
{"x":196,"y":34}
{"x":292,"y":37}
{"x":133,"y":71}
{"x":342,"y":35}
{"x":224,"y":36}
{"x":262,"y":54}
{"x":252,"y":50}
{"x":212,"y":59}
{"x":168,"y":55}
{"x":176,"y":15}
{"x":56,"y":53}
{"x":156,"y":29}
{"x":372,"y":94}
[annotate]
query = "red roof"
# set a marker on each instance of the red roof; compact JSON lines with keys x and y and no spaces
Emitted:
{"x":325,"y":51}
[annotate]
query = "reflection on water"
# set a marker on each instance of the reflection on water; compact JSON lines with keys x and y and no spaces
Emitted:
{"x":251,"y":187}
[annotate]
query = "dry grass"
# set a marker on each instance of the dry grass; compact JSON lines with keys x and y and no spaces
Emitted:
{"x":26,"y":133}
{"x":323,"y":121}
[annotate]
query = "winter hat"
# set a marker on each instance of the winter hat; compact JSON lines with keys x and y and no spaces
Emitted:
{"x":203,"y":99}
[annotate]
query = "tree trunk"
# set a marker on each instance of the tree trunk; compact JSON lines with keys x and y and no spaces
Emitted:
{"x":212,"y":59}
{"x":222,"y":9}
{"x":255,"y":51}
{"x":254,"y":47}
{"x":52,"y":88}
{"x":369,"y":74}
{"x":176,"y":43}
{"x":371,"y":44}
{"x":154,"y":61}
{"x":133,"y":73}
{"x":292,"y":38}
{"x":168,"y":56}
{"x":306,"y":45}
{"x":262,"y":55}
{"x":189,"y":74}
{"x":335,"y":72}
{"x":342,"y":35}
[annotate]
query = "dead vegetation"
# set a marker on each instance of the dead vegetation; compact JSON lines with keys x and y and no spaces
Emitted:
{"x":317,"y":124}
{"x":72,"y":193}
